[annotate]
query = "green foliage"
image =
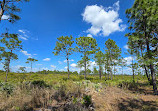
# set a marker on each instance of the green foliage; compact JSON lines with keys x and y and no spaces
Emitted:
{"x":112,"y":54}
{"x":95,"y":71}
{"x":10,"y":8}
{"x":86,"y":46}
{"x":11,"y":43}
{"x":128,"y":85}
{"x":39,"y":83}
{"x":31,"y":60}
{"x":87,"y":100}
{"x":64,"y":47}
{"x":142,"y":39}
{"x":6,"y":87}
{"x":99,"y":58}
{"x":22,"y":69}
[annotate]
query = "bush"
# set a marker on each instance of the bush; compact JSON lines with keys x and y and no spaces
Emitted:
{"x":6,"y":87}
{"x":87,"y":100}
{"x":40,"y":83}
{"x":128,"y":85}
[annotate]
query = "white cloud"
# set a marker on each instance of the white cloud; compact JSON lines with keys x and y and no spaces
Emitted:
{"x":21,"y":37}
{"x":89,"y":35}
{"x":46,"y":59}
{"x":26,"y":53}
{"x":17,"y":67}
{"x":52,"y":66}
{"x":23,"y":34}
{"x":5,"y":17}
{"x":71,"y":60}
{"x":128,"y":60}
{"x":65,"y":67}
{"x":126,"y":47}
{"x":104,"y":21}
{"x":73,"y":65}
{"x":22,"y":31}
{"x":34,"y":54}
{"x":59,"y":62}
{"x":39,"y":64}
{"x":44,"y":68}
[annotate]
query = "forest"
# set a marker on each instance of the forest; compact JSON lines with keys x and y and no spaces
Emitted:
{"x":107,"y":86}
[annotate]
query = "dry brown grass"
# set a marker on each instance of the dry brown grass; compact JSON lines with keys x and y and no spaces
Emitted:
{"x":29,"y":98}
{"x":116,"y":99}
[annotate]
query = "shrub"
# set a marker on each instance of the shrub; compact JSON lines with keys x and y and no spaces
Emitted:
{"x":128,"y":85}
{"x":6,"y":87}
{"x":87,"y":100}
{"x":40,"y":83}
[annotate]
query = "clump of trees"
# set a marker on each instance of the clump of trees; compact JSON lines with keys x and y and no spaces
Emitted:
{"x":10,"y":42}
{"x":143,"y":36}
{"x":86,"y":46}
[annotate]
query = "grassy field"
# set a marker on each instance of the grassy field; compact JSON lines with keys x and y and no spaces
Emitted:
{"x":25,"y":92}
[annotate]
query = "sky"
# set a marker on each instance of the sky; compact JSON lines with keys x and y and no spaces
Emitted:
{"x":42,"y":22}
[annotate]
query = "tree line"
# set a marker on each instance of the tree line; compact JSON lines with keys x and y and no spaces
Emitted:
{"x":142,"y":44}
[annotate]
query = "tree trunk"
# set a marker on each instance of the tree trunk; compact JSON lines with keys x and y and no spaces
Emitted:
{"x":109,"y":72}
{"x":2,"y":9}
{"x":85,"y":65}
{"x":105,"y":72}
{"x":150,"y":57}
{"x":114,"y":71}
{"x":8,"y":67}
{"x":7,"y":71}
{"x":133,"y":69}
{"x":68,"y":68}
{"x":151,"y":68}
{"x":31,"y":67}
{"x":100,"y":71}
{"x":122,"y":70}
{"x":153,"y":79}
{"x":146,"y":71}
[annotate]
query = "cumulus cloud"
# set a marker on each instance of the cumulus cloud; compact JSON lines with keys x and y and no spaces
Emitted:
{"x":129,"y":60}
{"x":73,"y":65}
{"x":52,"y":66}
{"x":89,"y":35}
{"x":46,"y":59}
{"x":126,"y":47}
{"x":104,"y":21}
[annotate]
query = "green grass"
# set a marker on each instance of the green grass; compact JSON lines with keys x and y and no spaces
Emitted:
{"x":59,"y":78}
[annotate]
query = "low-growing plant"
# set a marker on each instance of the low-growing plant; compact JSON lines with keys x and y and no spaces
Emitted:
{"x":6,"y":87}
{"x":40,"y":83}
{"x":128,"y":85}
{"x":87,"y":100}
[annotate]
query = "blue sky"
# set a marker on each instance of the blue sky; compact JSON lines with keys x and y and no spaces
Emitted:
{"x":42,"y":22}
